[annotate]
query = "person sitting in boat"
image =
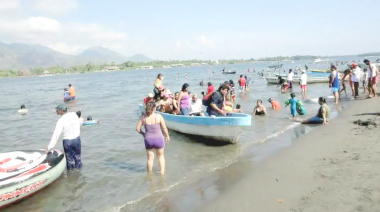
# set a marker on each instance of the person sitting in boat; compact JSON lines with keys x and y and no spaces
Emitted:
{"x":149,"y":98}
{"x":322,"y":115}
{"x":22,"y":110}
{"x":89,"y":121}
{"x":66,"y":95}
{"x":184,"y":100}
{"x":175,"y":103}
{"x":157,"y":85}
{"x":275,"y":104}
{"x":260,"y":109}
{"x":165,"y":105}
{"x":216,"y":102}
{"x":195,"y":106}
{"x":71,"y":92}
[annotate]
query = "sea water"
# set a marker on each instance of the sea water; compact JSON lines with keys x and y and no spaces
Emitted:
{"x":113,"y":177}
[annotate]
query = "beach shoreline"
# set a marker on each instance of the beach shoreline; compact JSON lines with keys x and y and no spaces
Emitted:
{"x":328,"y":169}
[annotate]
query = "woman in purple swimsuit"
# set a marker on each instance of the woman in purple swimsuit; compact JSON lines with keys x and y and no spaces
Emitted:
{"x":153,"y":138}
{"x":184,"y":100}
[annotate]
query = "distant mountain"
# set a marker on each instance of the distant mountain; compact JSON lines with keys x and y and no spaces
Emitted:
{"x":139,"y":58}
{"x":100,"y":55}
{"x":25,"y":56}
{"x":17,"y":55}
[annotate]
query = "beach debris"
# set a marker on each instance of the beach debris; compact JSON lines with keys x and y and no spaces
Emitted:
{"x":367,"y":123}
{"x":345,"y":151}
{"x":280,"y":200}
{"x":276,"y":179}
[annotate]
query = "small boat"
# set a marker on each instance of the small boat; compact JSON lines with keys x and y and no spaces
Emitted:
{"x":23,"y":173}
{"x":274,"y":80}
{"x":220,"y":128}
{"x":229,"y":72}
{"x":321,"y":70}
{"x":275,"y":66}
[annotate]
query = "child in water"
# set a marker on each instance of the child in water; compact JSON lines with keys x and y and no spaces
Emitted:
{"x":296,"y":106}
{"x":275,"y":104}
{"x":293,"y":104}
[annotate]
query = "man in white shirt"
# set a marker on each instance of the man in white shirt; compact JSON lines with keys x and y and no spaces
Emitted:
{"x":290,"y":78}
{"x":196,"y":106}
{"x":303,"y":82}
{"x":373,"y":73}
{"x":355,"y":78}
{"x":69,"y":125}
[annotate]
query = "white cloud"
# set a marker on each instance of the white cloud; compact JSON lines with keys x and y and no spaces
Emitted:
{"x":42,"y":24}
{"x":9,"y":4}
{"x":56,"y":7}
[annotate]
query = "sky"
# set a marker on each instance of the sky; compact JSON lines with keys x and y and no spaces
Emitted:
{"x":169,"y":30}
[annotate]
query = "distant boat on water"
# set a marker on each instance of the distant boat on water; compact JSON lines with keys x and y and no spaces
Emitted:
{"x":229,"y":72}
{"x":275,"y":66}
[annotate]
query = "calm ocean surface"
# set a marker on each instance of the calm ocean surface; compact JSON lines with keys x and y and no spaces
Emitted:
{"x":113,"y":176}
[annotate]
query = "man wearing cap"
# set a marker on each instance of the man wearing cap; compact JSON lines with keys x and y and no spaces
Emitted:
{"x":69,"y":125}
{"x":372,"y":81}
{"x":71,"y":92}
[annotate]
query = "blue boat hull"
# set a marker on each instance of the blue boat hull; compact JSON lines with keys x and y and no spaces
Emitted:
{"x":225,"y":129}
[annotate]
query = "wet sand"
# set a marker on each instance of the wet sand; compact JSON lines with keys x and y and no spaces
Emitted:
{"x":332,"y":168}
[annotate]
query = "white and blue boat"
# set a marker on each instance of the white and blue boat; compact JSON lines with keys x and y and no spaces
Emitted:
{"x":221,"y":128}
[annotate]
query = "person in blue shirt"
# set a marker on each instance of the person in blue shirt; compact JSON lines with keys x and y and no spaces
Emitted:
{"x":293,"y":104}
{"x":66,"y":95}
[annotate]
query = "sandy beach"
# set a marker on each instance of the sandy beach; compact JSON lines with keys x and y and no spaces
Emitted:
{"x":332,"y":168}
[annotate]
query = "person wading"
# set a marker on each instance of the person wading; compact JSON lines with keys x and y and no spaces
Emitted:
{"x":69,"y":126}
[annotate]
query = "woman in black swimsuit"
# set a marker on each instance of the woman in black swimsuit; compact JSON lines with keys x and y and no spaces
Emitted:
{"x":260,"y":109}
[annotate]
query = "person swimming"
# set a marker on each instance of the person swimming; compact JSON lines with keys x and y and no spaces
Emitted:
{"x":22,"y":110}
{"x":66,"y":95}
{"x":275,"y":104}
{"x":260,"y":109}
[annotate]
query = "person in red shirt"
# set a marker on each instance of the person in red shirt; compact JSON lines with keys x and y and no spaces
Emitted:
{"x":241,"y":82}
{"x":275,"y":104}
{"x":149,"y":98}
{"x":210,"y":88}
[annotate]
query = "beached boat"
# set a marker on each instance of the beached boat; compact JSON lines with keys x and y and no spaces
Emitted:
{"x":321,"y":70}
{"x":23,"y":173}
{"x":274,"y":80}
{"x":221,"y":128}
{"x":229,"y":72}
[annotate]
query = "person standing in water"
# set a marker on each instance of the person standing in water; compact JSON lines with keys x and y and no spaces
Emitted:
{"x":334,"y":83}
{"x":69,"y":125}
{"x":356,"y":75}
{"x":293,"y":104}
{"x":373,"y":72}
{"x":71,"y":92}
{"x":242,"y":82}
{"x":153,"y":137}
{"x":290,"y":78}
{"x":303,"y":82}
